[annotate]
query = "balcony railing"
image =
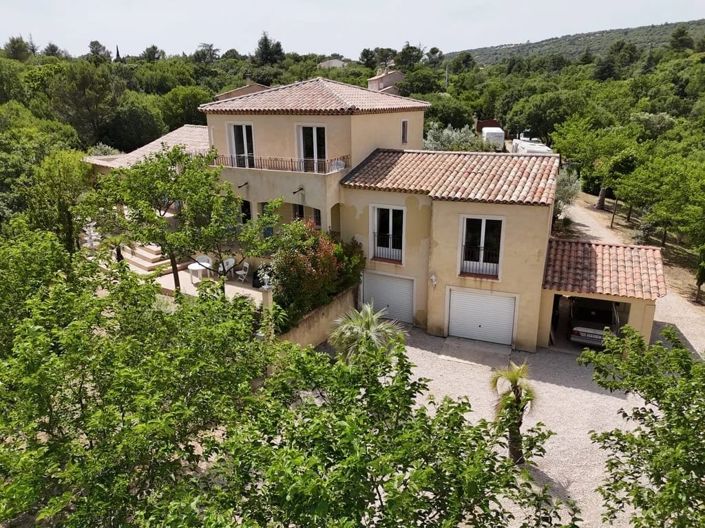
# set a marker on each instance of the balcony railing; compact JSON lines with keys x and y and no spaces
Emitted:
{"x":388,"y":247}
{"x":478,"y":260}
{"x":319,"y":166}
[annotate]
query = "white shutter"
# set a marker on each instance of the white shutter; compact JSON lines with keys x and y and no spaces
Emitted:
{"x":482,"y":317}
{"x":392,"y":293}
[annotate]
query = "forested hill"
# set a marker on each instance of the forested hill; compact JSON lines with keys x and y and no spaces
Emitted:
{"x":598,"y":42}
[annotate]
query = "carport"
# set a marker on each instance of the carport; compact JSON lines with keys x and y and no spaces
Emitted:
{"x":630,"y":276}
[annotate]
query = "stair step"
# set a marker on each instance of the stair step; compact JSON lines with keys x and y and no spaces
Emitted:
{"x":142,"y":253}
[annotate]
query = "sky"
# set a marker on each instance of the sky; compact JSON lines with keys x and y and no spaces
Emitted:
{"x":323,"y":26}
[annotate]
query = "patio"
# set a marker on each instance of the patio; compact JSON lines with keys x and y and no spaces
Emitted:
{"x":232,"y":287}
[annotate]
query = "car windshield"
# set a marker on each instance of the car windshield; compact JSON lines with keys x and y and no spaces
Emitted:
{"x":592,"y":314}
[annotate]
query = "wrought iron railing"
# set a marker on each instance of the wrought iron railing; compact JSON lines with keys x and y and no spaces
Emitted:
{"x":320,"y":166}
{"x":478,"y":260}
{"x":388,"y":246}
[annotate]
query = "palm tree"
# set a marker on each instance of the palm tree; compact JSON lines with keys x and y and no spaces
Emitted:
{"x":514,"y":398}
{"x":363,"y":326}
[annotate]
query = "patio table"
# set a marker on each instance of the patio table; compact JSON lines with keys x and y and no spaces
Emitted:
{"x":196,"y":267}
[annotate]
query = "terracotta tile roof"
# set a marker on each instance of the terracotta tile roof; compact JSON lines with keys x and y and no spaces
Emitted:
{"x":316,"y":96}
{"x":462,"y":176}
{"x":194,"y":138}
{"x":584,"y":266}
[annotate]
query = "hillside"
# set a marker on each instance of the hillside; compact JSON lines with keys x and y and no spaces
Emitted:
{"x":572,"y":46}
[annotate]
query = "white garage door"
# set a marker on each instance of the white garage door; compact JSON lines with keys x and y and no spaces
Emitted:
{"x":482,"y":317}
{"x":393,"y":293}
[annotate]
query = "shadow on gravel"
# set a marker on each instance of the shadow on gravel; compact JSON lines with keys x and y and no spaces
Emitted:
{"x":557,"y":489}
{"x":660,"y":326}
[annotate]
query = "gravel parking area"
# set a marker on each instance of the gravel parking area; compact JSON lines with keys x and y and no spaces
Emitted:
{"x":568,"y":402}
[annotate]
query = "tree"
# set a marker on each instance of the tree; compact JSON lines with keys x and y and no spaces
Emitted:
{"x":513,"y":402}
{"x":422,"y":80}
{"x":268,"y":52}
{"x":567,"y":190}
{"x":137,"y":121}
{"x":587,"y":57}
{"x":212,"y":222}
{"x":11,"y":85}
{"x":654,"y":467}
{"x":29,"y":261}
{"x":112,"y":397}
{"x":206,"y":53}
{"x":447,"y":110}
{"x":700,"y":45}
{"x":152,"y":54}
{"x":461,"y":62}
{"x":52,"y":50}
{"x":449,"y":138}
{"x":53,"y":192}
{"x":363,"y":328}
{"x":17,"y":48}
{"x":700,"y":273}
{"x":368,"y":58}
{"x":408,"y":57}
{"x":434,"y":57}
{"x":97,"y":53}
{"x":180,"y":106}
{"x":151,"y":193}
{"x":541,"y":112}
{"x":85,"y":96}
{"x":681,"y":39}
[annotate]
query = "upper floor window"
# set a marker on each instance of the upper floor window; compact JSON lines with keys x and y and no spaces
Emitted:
{"x":482,"y":239}
{"x":313,"y":148}
{"x":243,"y":146}
{"x":404,"y":132}
{"x":388,"y":233}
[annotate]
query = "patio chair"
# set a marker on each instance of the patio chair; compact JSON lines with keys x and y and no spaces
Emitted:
{"x":205,"y":261}
{"x":227,"y":266}
{"x":242,"y":274}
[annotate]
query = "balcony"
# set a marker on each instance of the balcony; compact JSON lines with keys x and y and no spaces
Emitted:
{"x":480,"y":262}
{"x":388,"y":247}
{"x":317,"y":166}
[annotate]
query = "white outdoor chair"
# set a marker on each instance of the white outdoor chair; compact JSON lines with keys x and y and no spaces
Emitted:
{"x":227,"y":266}
{"x":242,"y":274}
{"x":206,"y":261}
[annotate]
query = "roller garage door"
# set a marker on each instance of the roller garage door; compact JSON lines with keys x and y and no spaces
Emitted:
{"x":481,"y":316}
{"x":393,"y":293}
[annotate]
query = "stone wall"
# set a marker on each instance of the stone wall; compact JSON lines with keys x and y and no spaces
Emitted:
{"x":316,"y":326}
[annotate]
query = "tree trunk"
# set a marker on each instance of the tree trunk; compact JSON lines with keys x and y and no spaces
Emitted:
{"x":175,"y":272}
{"x":516,"y":451}
{"x":663,"y":237}
{"x":614,"y":212}
{"x":698,"y":292}
{"x":629,"y":213}
{"x":601,"y":198}
{"x":118,"y":254}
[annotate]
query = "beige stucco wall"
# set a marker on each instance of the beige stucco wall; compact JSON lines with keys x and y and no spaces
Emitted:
{"x":641,"y":312}
{"x":525,"y":234}
{"x":355,"y":221}
{"x":316,"y":326}
{"x":371,"y":131}
{"x":276,"y":136}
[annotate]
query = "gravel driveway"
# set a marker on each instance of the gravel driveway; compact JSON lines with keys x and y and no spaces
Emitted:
{"x":673,"y":309}
{"x":568,"y":402}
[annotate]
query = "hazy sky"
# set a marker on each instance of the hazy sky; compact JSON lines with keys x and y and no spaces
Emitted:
{"x":323,"y":26}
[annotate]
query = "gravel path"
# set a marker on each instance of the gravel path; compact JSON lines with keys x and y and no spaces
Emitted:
{"x":568,"y":402}
{"x":673,"y":309}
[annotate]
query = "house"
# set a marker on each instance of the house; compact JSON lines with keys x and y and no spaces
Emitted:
{"x":332,"y":63}
{"x":250,"y":87}
{"x":297,"y":141}
{"x":386,"y":81}
{"x":458,"y":243}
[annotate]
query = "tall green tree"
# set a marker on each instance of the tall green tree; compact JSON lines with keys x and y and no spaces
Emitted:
{"x":53,"y":192}
{"x":86,"y":96}
{"x":136,"y":122}
{"x":268,"y":52}
{"x":180,"y":106}
{"x":655,"y":467}
{"x":681,"y":39}
{"x":17,"y":48}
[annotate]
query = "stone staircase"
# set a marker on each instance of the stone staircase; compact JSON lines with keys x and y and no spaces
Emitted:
{"x":147,"y":258}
